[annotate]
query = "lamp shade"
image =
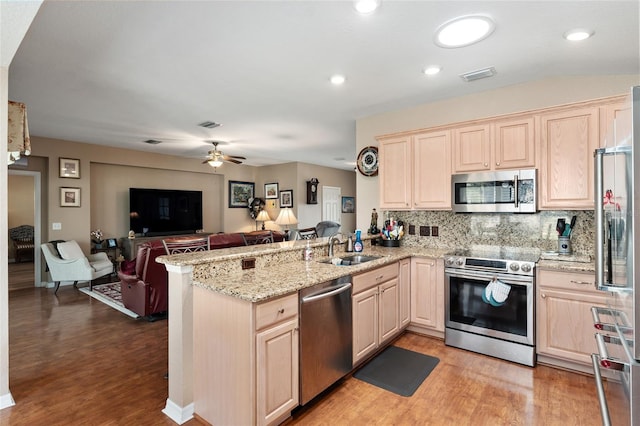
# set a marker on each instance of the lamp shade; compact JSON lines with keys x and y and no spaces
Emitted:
{"x":286,"y":217}
{"x":263,"y":216}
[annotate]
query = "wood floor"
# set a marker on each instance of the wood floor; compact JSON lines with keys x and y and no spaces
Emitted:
{"x":75,"y":361}
{"x":21,"y":275}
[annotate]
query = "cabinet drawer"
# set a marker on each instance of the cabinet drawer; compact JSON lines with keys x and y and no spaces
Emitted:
{"x":576,"y":281}
{"x":274,"y":311}
{"x":372,"y":278}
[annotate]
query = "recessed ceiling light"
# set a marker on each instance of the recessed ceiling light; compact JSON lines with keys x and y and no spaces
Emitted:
{"x":432,"y":70}
{"x":578,"y":34}
{"x":366,"y":6}
{"x":337,"y":79}
{"x":464,"y":30}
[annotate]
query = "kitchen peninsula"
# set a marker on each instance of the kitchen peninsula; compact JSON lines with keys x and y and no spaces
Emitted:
{"x":217,"y":308}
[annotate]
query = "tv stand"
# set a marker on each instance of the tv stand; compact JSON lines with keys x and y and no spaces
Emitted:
{"x":130,"y":245}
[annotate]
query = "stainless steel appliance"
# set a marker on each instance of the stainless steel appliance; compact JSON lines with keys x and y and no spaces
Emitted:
{"x":509,"y":191}
{"x":325,"y":336}
{"x":489,"y":302}
{"x":617,"y":170}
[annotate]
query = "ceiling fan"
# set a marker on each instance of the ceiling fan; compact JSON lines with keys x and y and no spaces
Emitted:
{"x":215,"y":158}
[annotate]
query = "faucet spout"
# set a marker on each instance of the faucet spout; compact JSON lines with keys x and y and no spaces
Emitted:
{"x":332,"y":240}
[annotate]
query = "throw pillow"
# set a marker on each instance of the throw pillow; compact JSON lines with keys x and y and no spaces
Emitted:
{"x":128,"y":267}
{"x":70,"y":250}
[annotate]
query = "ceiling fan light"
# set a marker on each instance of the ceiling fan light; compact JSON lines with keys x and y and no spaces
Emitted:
{"x":215,"y":163}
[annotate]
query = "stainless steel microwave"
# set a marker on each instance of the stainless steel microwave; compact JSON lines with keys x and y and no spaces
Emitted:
{"x":508,"y":191}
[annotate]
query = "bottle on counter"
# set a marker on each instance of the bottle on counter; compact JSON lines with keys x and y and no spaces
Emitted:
{"x":308,"y":252}
{"x":357,"y":246}
{"x":349,"y":248}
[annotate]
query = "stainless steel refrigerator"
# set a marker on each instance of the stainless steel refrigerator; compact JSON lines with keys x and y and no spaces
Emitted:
{"x":617,"y":209}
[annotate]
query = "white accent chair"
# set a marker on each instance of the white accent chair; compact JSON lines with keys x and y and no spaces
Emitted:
{"x":67,"y":262}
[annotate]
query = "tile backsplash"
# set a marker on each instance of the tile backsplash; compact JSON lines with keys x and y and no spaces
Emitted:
{"x":456,"y":230}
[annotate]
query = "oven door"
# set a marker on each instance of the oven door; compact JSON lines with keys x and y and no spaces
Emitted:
{"x":467,"y":310}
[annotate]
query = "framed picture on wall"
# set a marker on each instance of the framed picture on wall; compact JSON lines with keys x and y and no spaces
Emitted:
{"x":69,"y":197}
{"x":240,"y":193}
{"x":69,"y":168}
{"x":270,"y":190}
{"x":286,"y":198}
{"x":348,"y":205}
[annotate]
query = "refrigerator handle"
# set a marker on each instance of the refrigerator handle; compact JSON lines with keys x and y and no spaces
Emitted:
{"x":599,"y":218}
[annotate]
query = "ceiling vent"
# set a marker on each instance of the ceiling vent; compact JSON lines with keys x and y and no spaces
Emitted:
{"x":152,"y":142}
{"x":478,"y":74}
{"x":209,"y":124}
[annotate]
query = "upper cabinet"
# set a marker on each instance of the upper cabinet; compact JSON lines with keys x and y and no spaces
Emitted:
{"x":495,"y":145}
{"x":568,"y":140}
{"x":415,"y":171}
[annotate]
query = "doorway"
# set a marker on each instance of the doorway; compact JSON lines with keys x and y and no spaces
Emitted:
{"x":24,"y":208}
{"x":331,"y":204}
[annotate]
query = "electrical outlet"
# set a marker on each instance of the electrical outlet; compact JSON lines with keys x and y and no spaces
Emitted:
{"x":249,"y":263}
{"x":56,"y":226}
{"x":434,"y":231}
{"x":412,"y":230}
{"x":424,"y":231}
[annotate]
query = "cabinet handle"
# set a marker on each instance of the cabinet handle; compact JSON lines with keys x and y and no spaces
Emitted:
{"x":544,"y":296}
{"x":581,"y":282}
{"x":486,"y":164}
{"x":379,"y":277}
{"x":497,"y":163}
{"x":281,"y":311}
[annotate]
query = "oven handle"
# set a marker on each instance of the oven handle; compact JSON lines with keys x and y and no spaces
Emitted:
{"x":481,"y":276}
{"x":604,"y":407}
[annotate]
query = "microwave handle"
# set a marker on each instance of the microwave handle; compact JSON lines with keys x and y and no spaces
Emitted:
{"x":515,"y":185}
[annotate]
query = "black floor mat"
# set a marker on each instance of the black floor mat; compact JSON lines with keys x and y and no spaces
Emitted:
{"x":397,"y":370}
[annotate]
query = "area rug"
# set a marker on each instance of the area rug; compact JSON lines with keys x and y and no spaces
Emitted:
{"x":397,"y":370}
{"x":109,"y":294}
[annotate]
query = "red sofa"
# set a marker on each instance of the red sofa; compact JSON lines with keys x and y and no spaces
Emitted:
{"x":144,"y":282}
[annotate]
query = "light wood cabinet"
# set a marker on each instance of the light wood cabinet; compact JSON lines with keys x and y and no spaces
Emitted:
{"x":564,"y":326}
{"x":415,"y":171}
{"x":496,"y":145}
{"x":404,"y":284}
{"x":375,"y":303}
{"x":394,"y":173}
{"x":427,"y":293}
{"x":246,"y":358}
{"x":619,"y":111}
{"x":568,"y":140}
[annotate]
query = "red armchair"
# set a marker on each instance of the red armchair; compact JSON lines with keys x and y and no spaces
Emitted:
{"x":145,"y":288}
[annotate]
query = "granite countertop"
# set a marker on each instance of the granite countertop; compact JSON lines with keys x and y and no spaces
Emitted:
{"x":256,"y":285}
{"x":570,"y":263}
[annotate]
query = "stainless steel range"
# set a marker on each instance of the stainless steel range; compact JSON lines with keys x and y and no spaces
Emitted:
{"x":489,"y":302}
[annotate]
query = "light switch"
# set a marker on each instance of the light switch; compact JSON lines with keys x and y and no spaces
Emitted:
{"x":56,"y":226}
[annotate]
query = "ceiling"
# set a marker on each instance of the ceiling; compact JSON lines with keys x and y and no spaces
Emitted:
{"x":118,"y":73}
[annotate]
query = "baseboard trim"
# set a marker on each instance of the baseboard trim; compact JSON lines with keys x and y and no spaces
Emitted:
{"x":6,"y":401}
{"x":178,"y":414}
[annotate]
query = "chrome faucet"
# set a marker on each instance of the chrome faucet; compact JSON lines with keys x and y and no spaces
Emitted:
{"x":332,"y":240}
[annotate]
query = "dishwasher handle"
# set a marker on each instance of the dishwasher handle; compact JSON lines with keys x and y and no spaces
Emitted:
{"x":331,"y":292}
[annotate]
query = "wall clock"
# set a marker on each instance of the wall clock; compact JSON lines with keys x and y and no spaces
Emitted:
{"x":312,"y":191}
{"x":368,"y":161}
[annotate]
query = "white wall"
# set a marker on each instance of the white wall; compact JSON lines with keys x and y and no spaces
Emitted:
{"x":517,"y":98}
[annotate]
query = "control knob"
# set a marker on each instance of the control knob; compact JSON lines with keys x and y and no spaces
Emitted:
{"x":526,"y":267}
{"x":449,"y":261}
{"x":514,"y":267}
{"x":460,"y":262}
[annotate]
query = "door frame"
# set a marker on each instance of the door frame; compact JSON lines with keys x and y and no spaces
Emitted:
{"x":37,"y":221}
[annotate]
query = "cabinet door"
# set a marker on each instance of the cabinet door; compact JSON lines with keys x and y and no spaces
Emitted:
{"x":514,"y":144}
{"x":388,"y":313}
{"x":404,"y":284}
{"x":564,"y":325}
{"x":432,"y":171}
{"x":472,"y":148}
{"x":568,"y":139}
{"x":621,"y":113}
{"x":427,"y":293}
{"x":277,"y":371}
{"x":365,"y":323}
{"x":394,"y":171}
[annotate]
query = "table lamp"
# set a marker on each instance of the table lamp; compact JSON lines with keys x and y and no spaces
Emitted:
{"x":286,"y":218}
{"x":263,"y":216}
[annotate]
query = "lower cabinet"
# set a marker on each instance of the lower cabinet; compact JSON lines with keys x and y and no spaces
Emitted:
{"x":427,"y":293}
{"x":376,"y":302}
{"x":245,"y":359}
{"x":404,"y":292}
{"x":564,"y":325}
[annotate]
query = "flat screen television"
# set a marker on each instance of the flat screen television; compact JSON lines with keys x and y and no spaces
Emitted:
{"x":155,"y":212}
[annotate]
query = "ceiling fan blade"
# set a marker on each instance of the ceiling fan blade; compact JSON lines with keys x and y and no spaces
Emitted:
{"x":231,"y":160}
{"x":236,"y":157}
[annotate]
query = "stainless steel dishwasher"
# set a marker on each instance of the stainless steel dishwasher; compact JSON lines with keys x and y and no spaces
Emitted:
{"x":325,"y":336}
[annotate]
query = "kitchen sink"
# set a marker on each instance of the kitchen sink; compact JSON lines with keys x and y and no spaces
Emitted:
{"x":355,"y":259}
